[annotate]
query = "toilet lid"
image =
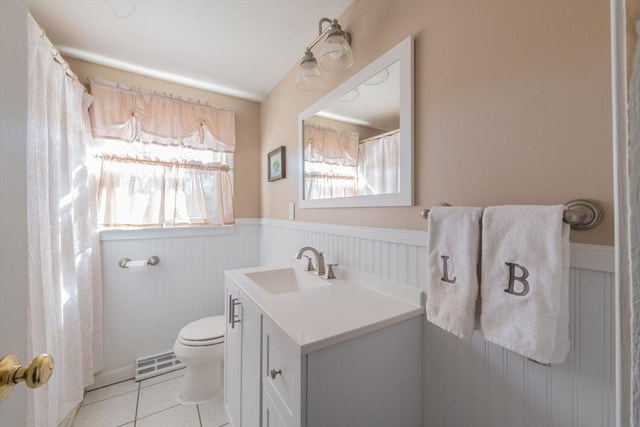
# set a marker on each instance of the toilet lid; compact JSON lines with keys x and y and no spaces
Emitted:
{"x":207,"y":329}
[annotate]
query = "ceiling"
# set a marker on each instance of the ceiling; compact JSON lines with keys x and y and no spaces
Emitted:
{"x":241,"y":48}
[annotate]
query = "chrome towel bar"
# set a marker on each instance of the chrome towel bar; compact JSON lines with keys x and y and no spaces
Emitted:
{"x":581,"y":214}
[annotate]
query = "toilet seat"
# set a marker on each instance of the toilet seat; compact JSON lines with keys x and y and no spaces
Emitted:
{"x":203,"y":332}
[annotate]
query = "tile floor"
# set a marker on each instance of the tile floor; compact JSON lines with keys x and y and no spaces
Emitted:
{"x":152,"y":402}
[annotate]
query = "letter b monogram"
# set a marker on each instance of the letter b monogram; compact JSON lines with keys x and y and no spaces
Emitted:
{"x":522,"y":279}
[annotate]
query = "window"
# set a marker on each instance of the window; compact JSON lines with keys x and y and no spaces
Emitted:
{"x":329,"y":162}
{"x":161,"y":161}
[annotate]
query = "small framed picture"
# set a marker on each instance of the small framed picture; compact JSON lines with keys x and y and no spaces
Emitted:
{"x":277,"y":164}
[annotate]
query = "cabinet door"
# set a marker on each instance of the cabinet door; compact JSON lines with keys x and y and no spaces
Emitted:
{"x":232,"y":354}
{"x":270,"y":415}
{"x":282,"y":373}
{"x":251,"y":348}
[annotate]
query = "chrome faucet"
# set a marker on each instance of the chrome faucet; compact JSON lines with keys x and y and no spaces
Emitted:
{"x":318,"y":255}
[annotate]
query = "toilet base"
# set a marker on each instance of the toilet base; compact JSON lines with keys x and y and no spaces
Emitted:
{"x":201,"y":383}
{"x":203,"y":359}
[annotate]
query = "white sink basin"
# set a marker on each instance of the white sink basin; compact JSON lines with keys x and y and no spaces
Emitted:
{"x":285,"y":280}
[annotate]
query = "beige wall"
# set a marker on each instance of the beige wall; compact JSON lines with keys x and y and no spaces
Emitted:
{"x":512,"y":106}
{"x":247,"y":155}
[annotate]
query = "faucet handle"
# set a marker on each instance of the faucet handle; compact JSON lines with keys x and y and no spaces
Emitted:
{"x":330,"y":274}
{"x":309,"y":264}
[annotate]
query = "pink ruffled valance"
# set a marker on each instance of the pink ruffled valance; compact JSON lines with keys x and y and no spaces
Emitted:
{"x":131,"y":114}
{"x":330,"y":145}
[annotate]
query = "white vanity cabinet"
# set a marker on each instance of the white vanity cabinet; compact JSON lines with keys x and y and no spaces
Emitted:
{"x":342,"y":355}
{"x":242,"y":359}
{"x":373,"y":380}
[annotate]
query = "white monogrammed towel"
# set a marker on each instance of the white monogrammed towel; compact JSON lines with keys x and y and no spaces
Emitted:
{"x":525,"y":281}
{"x":452,"y":268}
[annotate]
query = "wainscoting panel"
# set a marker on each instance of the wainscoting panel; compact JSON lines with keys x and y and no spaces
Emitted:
{"x":477,"y":383}
{"x":481,"y":381}
{"x":144,"y":311}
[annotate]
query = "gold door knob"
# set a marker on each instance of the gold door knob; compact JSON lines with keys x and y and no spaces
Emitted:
{"x":35,"y":375}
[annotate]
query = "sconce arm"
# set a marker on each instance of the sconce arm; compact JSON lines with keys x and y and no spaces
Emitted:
{"x":322,"y":21}
{"x":333,"y":23}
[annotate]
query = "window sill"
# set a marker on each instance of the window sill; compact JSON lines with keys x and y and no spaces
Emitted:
{"x":163,"y":233}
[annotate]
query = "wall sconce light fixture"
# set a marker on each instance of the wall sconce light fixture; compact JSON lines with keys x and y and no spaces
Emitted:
{"x":335,"y":55}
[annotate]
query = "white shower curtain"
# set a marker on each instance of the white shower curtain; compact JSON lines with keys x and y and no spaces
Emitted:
{"x":634,"y":226}
{"x":379,"y":165}
{"x":65,"y":291}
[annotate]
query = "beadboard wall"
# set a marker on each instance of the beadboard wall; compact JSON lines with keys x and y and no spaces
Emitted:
{"x":465,"y":383}
{"x":144,"y":311}
{"x":478,"y":383}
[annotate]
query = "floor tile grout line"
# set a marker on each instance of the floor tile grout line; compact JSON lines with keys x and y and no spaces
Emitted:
{"x":199,"y":417}
{"x":159,"y":412}
{"x":160,"y":382}
{"x":111,"y":385}
{"x":135,"y":414}
{"x":107,"y":398}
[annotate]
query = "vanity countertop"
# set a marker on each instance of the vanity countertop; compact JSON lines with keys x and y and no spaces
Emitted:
{"x":316,"y":318}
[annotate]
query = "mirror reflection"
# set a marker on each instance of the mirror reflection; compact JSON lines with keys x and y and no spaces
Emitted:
{"x":352,"y":145}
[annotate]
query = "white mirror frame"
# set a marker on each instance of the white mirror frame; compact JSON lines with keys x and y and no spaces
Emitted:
{"x":402,"y":52}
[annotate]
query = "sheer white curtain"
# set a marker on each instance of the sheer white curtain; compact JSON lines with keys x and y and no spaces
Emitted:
{"x":378,"y":165}
{"x":65,"y":291}
{"x":136,"y":192}
{"x":631,"y":223}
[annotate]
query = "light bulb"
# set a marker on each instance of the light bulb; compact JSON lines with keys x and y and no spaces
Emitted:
{"x":309,"y":77}
{"x":336,"y":53}
{"x":334,"y":47}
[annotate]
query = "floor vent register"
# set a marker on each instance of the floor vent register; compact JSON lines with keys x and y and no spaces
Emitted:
{"x":157,"y":364}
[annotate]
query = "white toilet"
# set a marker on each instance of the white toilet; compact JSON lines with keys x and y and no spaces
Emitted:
{"x":200,"y":346}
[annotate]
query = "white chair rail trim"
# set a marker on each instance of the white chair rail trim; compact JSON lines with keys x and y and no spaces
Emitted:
{"x":585,"y":256}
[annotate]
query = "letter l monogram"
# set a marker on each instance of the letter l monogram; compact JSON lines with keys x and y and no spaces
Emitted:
{"x":445,"y":270}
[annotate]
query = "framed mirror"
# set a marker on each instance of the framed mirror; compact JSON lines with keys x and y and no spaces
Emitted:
{"x":357,"y":141}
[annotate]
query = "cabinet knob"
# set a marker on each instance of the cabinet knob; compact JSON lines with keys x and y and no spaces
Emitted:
{"x":273,"y":373}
